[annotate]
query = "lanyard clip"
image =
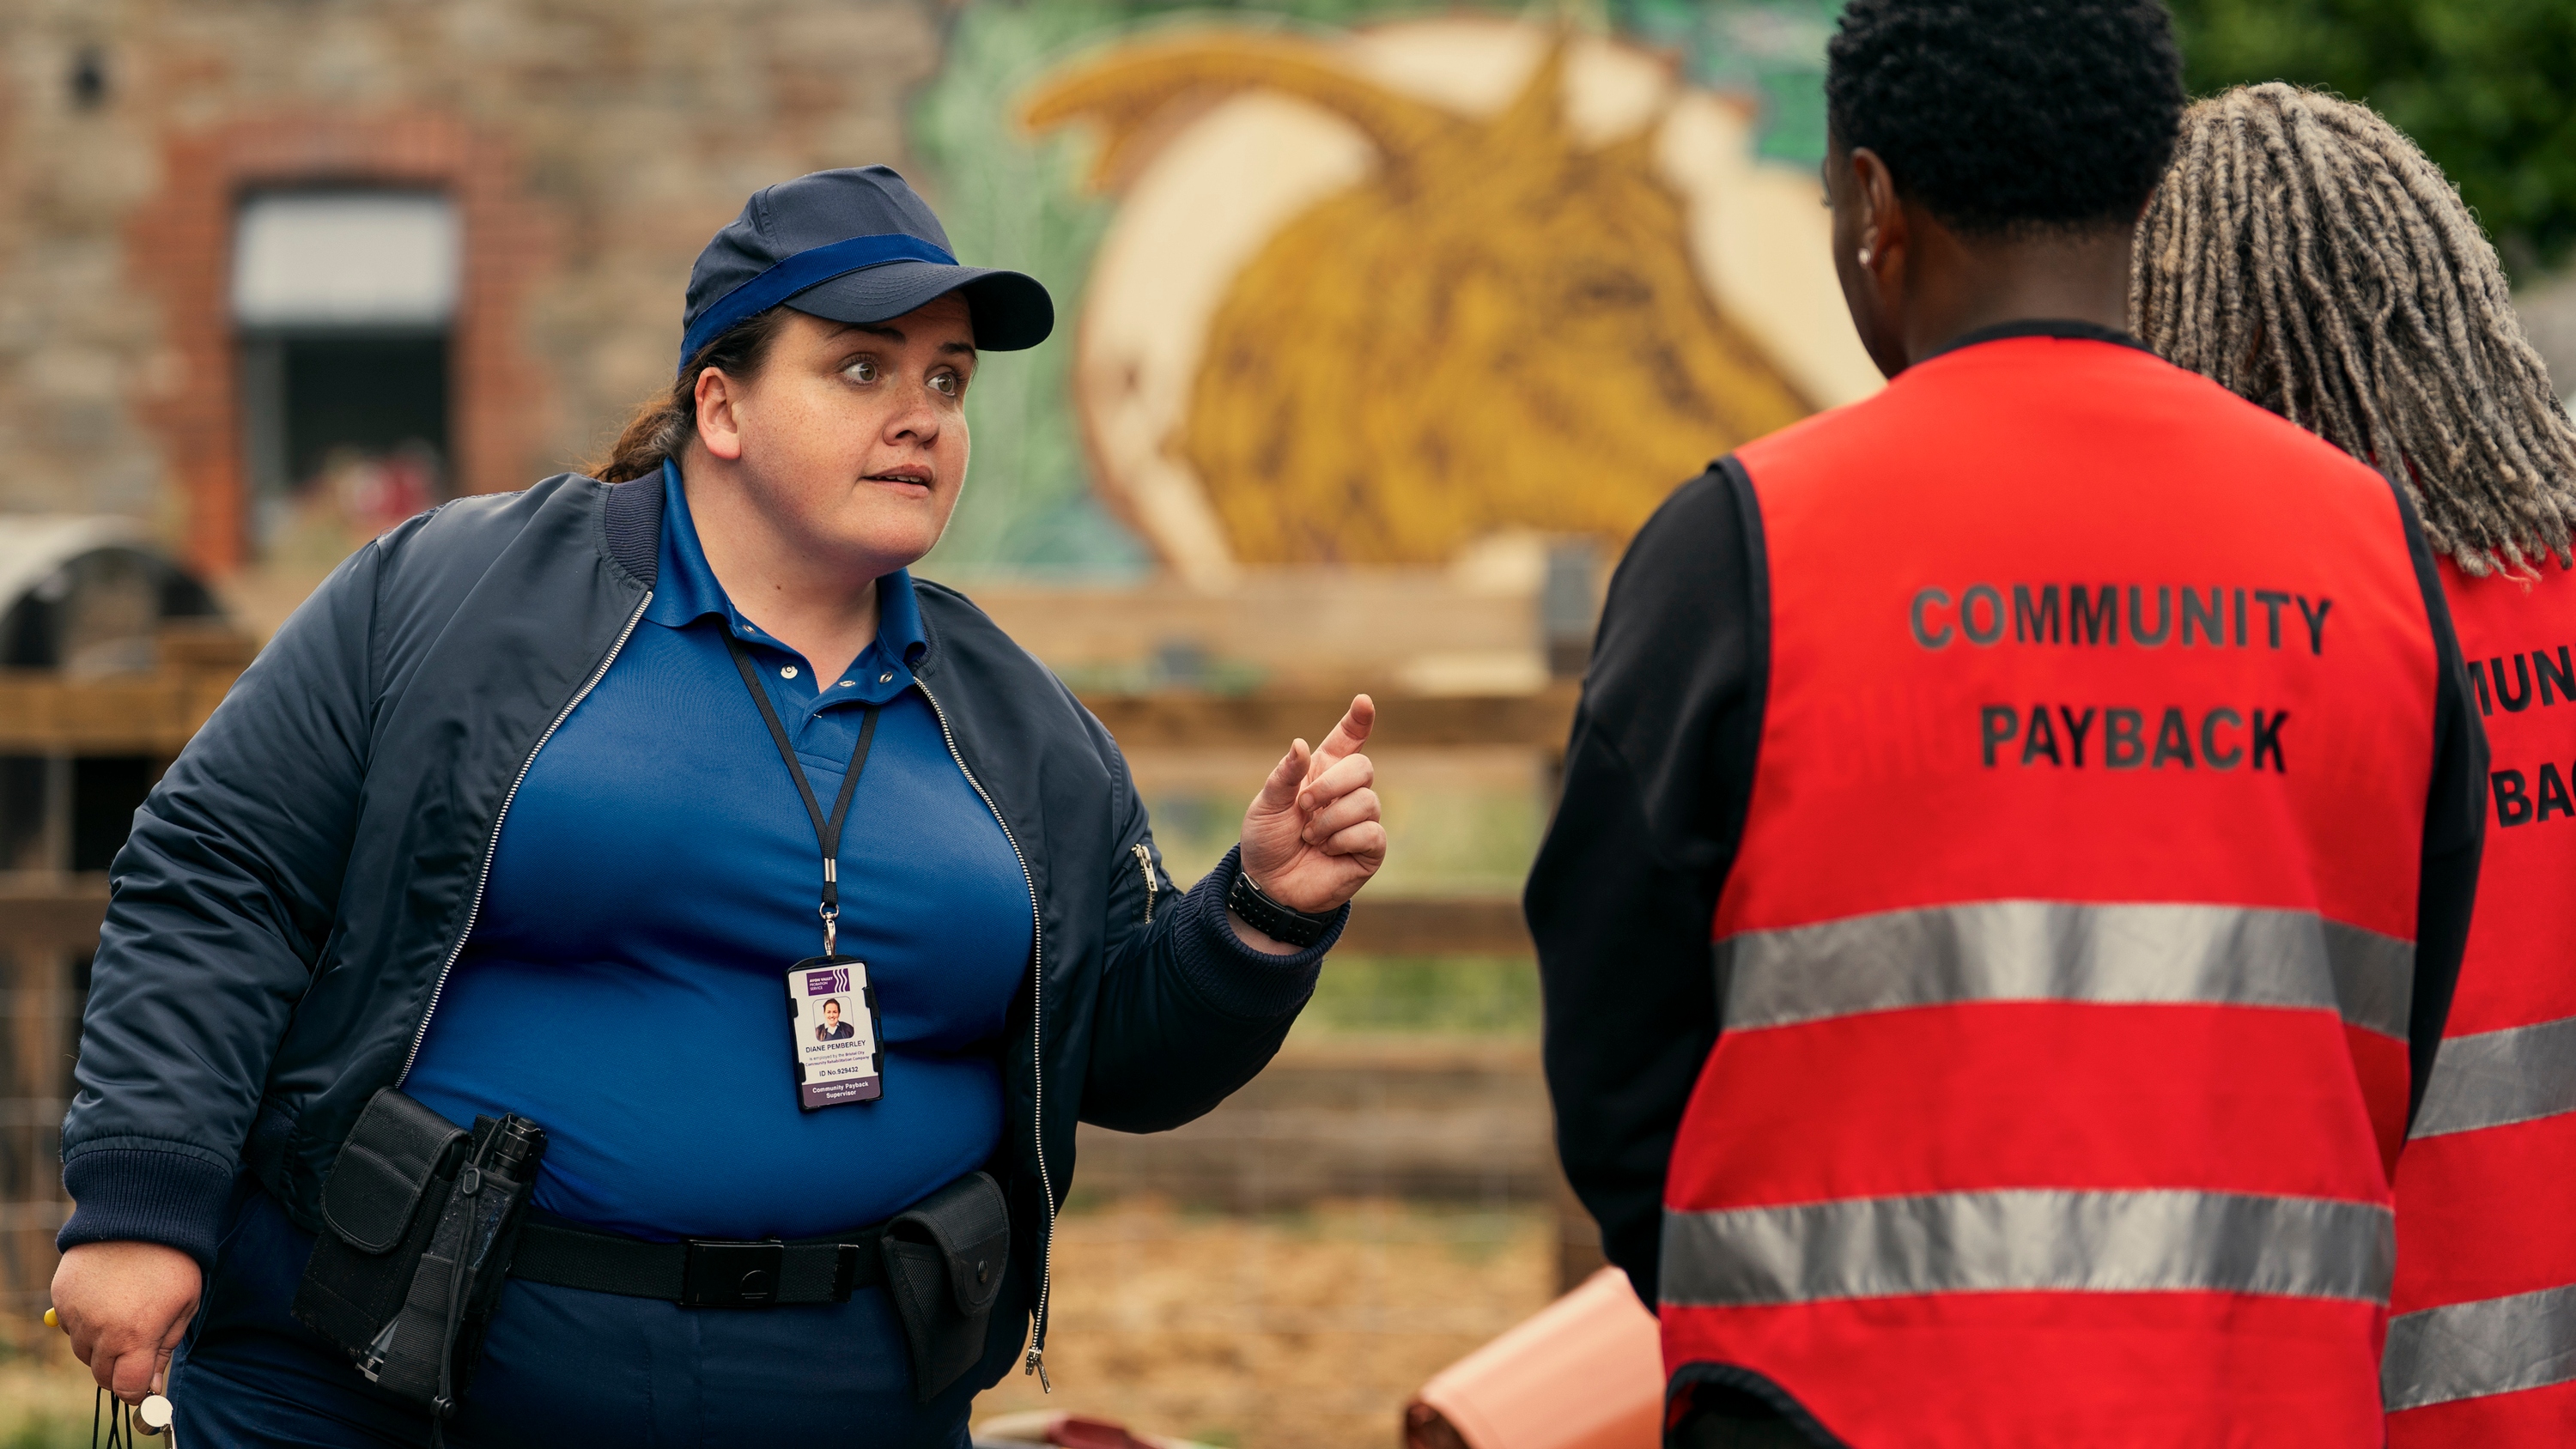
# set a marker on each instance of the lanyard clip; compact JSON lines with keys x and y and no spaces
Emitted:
{"x":830,"y":909}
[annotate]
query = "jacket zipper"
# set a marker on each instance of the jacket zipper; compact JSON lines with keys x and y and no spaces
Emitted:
{"x":474,"y":907}
{"x":1145,"y":863}
{"x":1036,"y":1362}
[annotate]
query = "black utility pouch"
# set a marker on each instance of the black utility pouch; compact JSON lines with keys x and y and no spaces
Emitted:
{"x":944,"y":1262}
{"x":420,"y":1221}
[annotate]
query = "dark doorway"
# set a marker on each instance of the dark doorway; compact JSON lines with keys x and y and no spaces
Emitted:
{"x":106,"y":791}
{"x":344,"y":299}
{"x":370,"y":394}
{"x":347,"y":433}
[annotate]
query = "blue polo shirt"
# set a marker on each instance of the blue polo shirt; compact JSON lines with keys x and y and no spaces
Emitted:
{"x":625,"y":983}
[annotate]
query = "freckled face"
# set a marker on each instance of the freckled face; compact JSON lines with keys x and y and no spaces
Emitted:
{"x":854,"y":436}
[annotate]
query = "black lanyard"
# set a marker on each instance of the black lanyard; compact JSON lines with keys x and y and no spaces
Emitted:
{"x":827,"y":833}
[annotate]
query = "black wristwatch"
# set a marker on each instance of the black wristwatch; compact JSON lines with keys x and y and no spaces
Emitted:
{"x":1301,"y":929}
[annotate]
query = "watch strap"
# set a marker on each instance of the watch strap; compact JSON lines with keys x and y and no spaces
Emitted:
{"x":1301,"y":929}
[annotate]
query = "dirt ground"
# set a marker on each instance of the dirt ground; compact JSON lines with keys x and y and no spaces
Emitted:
{"x":1303,"y":1330}
{"x":1287,"y":1331}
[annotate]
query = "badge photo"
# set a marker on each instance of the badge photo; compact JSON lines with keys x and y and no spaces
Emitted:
{"x":832,"y":1013}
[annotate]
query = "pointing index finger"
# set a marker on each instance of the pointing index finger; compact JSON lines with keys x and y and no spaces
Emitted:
{"x":1348,"y":736}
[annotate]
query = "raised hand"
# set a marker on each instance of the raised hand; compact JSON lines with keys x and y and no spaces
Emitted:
{"x":1313,"y":837}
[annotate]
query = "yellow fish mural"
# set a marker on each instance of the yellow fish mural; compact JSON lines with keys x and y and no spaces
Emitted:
{"x":1491,"y":322}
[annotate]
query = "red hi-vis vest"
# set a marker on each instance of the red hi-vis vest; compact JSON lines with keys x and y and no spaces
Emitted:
{"x":2482,"y":1351}
{"x":2067,"y":957}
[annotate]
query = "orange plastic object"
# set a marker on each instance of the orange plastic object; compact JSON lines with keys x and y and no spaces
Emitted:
{"x":1070,"y":1431}
{"x":1585,"y":1372}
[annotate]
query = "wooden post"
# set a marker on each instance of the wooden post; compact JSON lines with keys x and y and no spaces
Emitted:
{"x":35,"y":1068}
{"x":1578,"y":1238}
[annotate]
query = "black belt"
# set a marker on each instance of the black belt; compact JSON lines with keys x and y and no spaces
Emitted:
{"x":700,"y":1272}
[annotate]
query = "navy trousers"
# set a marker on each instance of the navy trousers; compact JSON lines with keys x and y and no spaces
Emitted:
{"x":560,"y":1366}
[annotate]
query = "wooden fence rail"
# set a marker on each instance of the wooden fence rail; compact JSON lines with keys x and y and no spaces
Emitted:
{"x":44,"y":714}
{"x":41,"y":915}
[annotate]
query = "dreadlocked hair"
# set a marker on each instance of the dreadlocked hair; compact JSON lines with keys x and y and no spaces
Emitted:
{"x":2302,"y":253}
{"x":664,"y":425}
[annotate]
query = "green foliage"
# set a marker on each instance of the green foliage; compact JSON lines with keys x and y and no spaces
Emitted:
{"x":1010,"y":201}
{"x":1441,"y":995}
{"x":1311,"y":12}
{"x":44,"y":1429}
{"x":1468,"y":840}
{"x":2486,"y":87}
{"x":1771,"y":50}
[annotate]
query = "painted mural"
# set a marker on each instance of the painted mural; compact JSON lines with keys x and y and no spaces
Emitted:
{"x":1371,"y":294}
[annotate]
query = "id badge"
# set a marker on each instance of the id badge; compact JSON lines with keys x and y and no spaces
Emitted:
{"x":833,"y":1016}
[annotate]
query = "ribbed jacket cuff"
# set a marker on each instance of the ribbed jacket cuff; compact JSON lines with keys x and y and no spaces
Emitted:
{"x":1239,"y":981}
{"x":136,"y":1195}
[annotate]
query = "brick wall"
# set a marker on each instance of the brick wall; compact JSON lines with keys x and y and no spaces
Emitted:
{"x":177,"y":252}
{"x":591,"y":146}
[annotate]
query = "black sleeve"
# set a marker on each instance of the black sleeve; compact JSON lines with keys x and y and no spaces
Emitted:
{"x":1621,"y":898}
{"x":2455,"y":818}
{"x":218,"y":907}
{"x":1187,"y":1013}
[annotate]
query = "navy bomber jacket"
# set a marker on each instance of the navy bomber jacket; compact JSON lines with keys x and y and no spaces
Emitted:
{"x":302,"y":878}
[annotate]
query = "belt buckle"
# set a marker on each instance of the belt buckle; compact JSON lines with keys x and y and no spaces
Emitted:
{"x":720,"y":1274}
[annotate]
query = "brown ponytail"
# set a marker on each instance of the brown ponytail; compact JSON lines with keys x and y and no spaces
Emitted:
{"x":664,"y":425}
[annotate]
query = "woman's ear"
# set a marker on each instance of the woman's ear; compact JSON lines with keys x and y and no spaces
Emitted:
{"x":719,"y":429}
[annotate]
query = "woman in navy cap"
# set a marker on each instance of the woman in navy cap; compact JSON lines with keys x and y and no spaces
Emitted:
{"x":542,"y":803}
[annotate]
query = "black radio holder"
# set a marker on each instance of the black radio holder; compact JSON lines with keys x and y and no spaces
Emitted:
{"x":419,"y":1221}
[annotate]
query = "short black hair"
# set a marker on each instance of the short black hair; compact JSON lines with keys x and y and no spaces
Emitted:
{"x":2005,"y":116}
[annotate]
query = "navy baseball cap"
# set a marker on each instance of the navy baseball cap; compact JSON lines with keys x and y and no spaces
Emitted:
{"x":854,"y":245}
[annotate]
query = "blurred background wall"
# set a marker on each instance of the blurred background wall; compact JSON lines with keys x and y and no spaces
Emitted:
{"x":1383,"y":324}
{"x":275,"y":273}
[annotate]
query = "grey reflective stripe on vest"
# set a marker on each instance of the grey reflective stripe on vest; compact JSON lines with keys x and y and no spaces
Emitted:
{"x":2028,"y":1239}
{"x":2061,"y":951}
{"x":2471,"y":1350}
{"x":2493,"y":1078}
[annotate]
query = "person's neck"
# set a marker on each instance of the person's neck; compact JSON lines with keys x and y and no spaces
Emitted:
{"x":1963,"y":286}
{"x":821,"y":604}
